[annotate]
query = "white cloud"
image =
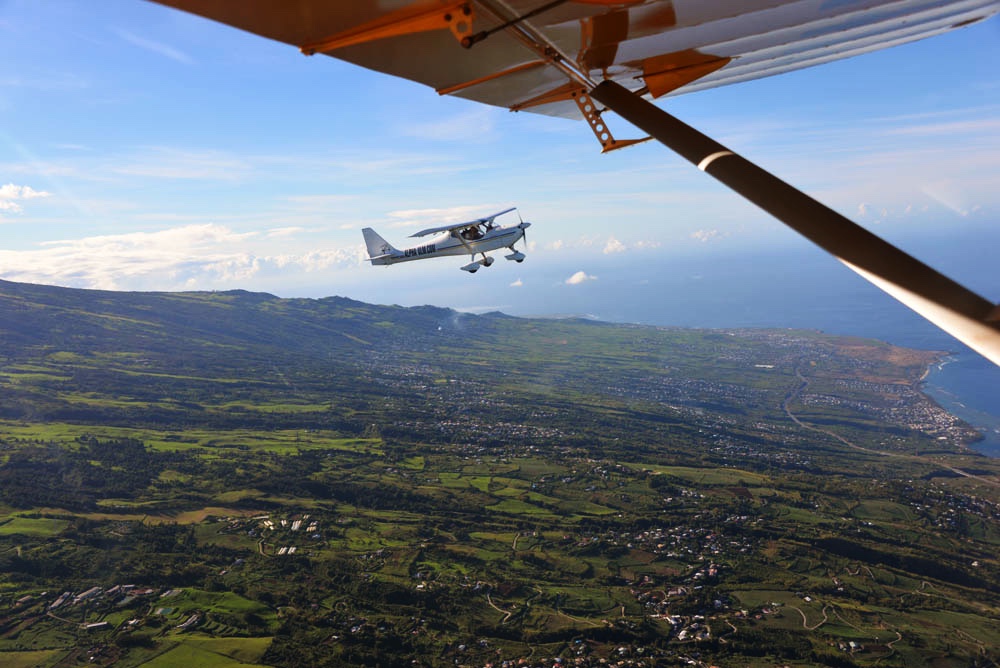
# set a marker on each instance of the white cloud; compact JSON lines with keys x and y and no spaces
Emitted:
{"x":170,"y":163}
{"x":977,"y":126}
{"x":705,"y":236}
{"x":476,"y":125}
{"x":192,"y":256}
{"x":156,"y":47}
{"x":320,"y":202}
{"x":11,"y":191}
{"x":42,"y":168}
{"x":53,"y":82}
{"x":950,"y":195}
{"x":611,"y":246}
{"x":516,"y":284}
{"x":10,"y":194}
{"x":614,"y":246}
{"x":281,"y":232}
{"x":580,"y":277}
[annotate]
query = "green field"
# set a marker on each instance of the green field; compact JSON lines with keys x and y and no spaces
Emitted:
{"x":224,"y":652}
{"x":32,"y":526}
{"x":31,"y":659}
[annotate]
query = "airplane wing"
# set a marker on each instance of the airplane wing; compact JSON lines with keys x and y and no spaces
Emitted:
{"x":455,"y":226}
{"x":514,"y":53}
{"x":570,"y":57}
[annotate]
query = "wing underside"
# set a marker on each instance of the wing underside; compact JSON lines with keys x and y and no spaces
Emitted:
{"x":658,"y":46}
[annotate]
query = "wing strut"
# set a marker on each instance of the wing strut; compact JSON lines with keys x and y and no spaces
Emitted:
{"x":470,"y":40}
{"x":962,"y":313}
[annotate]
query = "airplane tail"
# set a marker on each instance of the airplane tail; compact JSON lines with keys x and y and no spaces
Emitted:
{"x":380,"y":251}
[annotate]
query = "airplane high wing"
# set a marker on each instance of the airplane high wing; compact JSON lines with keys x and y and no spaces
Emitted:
{"x":455,"y":226}
{"x":580,"y":58}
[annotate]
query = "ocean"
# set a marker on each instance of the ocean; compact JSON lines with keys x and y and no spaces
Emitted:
{"x":798,"y":288}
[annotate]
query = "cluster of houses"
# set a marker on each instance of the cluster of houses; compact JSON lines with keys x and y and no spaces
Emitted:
{"x":121,"y":595}
{"x":295,"y":523}
{"x":124,"y":593}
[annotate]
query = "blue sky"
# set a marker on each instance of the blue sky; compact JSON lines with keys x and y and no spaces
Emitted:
{"x":146,"y":149}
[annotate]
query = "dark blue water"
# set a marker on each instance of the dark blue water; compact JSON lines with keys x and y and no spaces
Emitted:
{"x":800,"y":289}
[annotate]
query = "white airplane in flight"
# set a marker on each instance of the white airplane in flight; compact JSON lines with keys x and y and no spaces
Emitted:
{"x":583,"y":58}
{"x":472,"y":237}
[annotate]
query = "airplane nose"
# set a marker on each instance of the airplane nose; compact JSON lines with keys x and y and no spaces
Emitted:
{"x":524,"y":225}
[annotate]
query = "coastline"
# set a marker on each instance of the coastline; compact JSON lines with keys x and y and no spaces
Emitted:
{"x":945,"y":382}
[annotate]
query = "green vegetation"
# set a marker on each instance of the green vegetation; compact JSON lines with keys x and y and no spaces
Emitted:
{"x":32,"y":526}
{"x":232,"y":479}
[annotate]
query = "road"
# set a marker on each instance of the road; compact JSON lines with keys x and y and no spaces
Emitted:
{"x":804,"y":383}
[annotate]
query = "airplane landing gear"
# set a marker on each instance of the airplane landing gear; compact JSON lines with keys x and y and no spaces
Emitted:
{"x":473,"y":267}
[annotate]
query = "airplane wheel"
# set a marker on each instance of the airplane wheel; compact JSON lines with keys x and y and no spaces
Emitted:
{"x":519,"y":261}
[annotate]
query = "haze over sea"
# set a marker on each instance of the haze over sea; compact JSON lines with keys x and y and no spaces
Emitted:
{"x":800,"y":287}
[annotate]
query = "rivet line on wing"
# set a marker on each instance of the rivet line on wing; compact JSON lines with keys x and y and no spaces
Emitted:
{"x":708,"y":160}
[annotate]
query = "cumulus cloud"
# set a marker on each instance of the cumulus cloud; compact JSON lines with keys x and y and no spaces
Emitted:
{"x":614,"y":246}
{"x":188,"y":257}
{"x":10,"y":196}
{"x":705,"y":236}
{"x":580,"y":277}
{"x":610,"y":246}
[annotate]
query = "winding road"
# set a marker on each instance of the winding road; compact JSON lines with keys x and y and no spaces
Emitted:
{"x":804,"y":383}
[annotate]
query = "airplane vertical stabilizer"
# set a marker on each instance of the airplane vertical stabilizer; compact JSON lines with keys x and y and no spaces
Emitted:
{"x":380,"y":251}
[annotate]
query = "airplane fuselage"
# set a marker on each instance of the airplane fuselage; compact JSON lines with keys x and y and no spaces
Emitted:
{"x":454,"y":243}
{"x":450,"y":244}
